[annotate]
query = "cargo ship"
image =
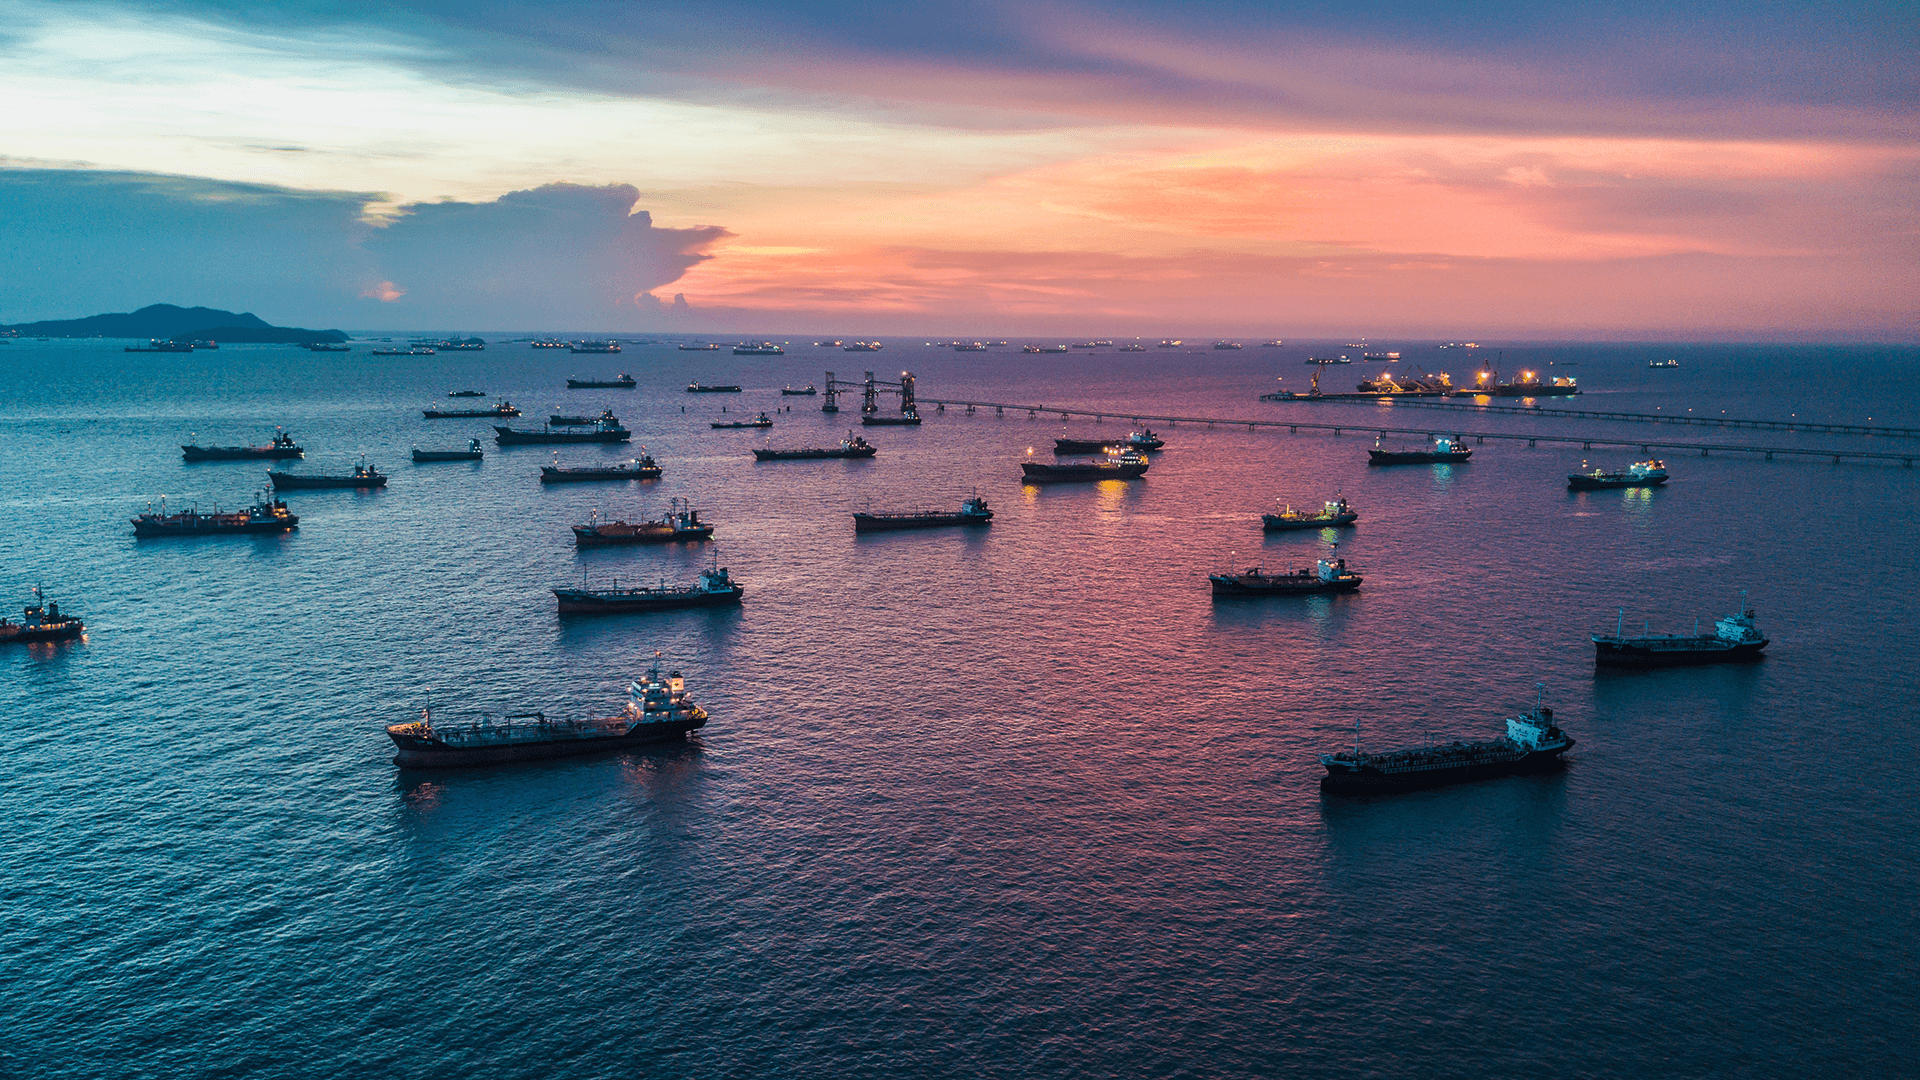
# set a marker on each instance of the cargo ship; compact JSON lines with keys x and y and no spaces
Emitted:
{"x":1126,"y":465}
{"x":263,"y":516}
{"x":1444,"y":449}
{"x":658,"y":709}
{"x":603,"y":431}
{"x":711,"y":589}
{"x":281,"y":448}
{"x":1735,"y":639}
{"x":761,"y":421}
{"x":758,"y":348}
{"x":1143,"y":440}
{"x":595,"y":347}
{"x":1334,"y":513}
{"x":624,"y":382}
{"x":853,"y":446}
{"x":681,"y":523}
{"x":156,"y":345}
{"x":805,"y":391}
{"x":606,"y":416}
{"x":503,"y":407}
{"x":700,"y":346}
{"x":471,"y":453}
{"x":905,"y":419}
{"x":972,"y":512}
{"x":466,"y":393}
{"x":702,"y":388}
{"x":1526,"y":384}
{"x":1327,"y":575}
{"x":1532,"y":744}
{"x":640,"y":468}
{"x":363,"y":476}
{"x":1650,"y":473}
{"x":40,"y":621}
{"x":862,"y":346}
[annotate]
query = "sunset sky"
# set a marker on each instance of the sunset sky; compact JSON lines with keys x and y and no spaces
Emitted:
{"x":1631,"y":170}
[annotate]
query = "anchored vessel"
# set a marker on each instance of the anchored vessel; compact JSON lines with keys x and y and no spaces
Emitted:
{"x":262,"y":517}
{"x":1735,"y":639}
{"x":658,"y":708}
{"x":640,"y":468}
{"x":681,"y":523}
{"x":905,"y":419}
{"x":972,"y":512}
{"x":1651,"y":473}
{"x":606,"y":416}
{"x":1122,"y":466}
{"x":1532,"y":744}
{"x":853,"y":446}
{"x":761,"y":421}
{"x":280,"y":449}
{"x":596,"y":347}
{"x":805,"y":391}
{"x":1526,"y":384}
{"x":711,"y":589}
{"x":40,"y":621}
{"x":1334,"y":512}
{"x":471,"y":453}
{"x":603,"y":430}
{"x":363,"y":476}
{"x":1443,"y":449}
{"x":1328,"y":575}
{"x":624,"y":382}
{"x":761,"y":348}
{"x":701,"y":388}
{"x":503,"y":407}
{"x":466,"y":393}
{"x":1144,"y":439}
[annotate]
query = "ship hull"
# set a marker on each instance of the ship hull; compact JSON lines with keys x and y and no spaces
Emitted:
{"x":1368,"y":780}
{"x":285,"y":482}
{"x":468,"y":414}
{"x":590,"y":538}
{"x":587,"y":602}
{"x":713,"y":389}
{"x":550,"y":475}
{"x":141,"y":528}
{"x":241,"y":453}
{"x":1685,"y":652}
{"x":1530,"y":391}
{"x":1576,"y":482}
{"x":1276,"y":523}
{"x":890,"y":421}
{"x":811,"y":455}
{"x":1224,"y":585}
{"x":1036,"y":473}
{"x":895,"y":522}
{"x":447,"y":455}
{"x":510,"y":437}
{"x":1413,"y":457}
{"x":576,"y":384}
{"x":27,"y":635}
{"x":1086,"y":446}
{"x":416,"y":753}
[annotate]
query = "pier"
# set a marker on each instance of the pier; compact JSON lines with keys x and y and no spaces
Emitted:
{"x":1415,"y":400}
{"x":1585,"y":442}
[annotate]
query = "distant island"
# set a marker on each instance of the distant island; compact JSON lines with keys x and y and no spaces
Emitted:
{"x":172,"y":322}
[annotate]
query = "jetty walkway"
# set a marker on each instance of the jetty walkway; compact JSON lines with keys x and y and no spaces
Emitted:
{"x":1410,"y":401}
{"x":1586,"y":442}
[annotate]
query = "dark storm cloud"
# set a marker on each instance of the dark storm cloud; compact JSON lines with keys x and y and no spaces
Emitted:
{"x":76,"y":243}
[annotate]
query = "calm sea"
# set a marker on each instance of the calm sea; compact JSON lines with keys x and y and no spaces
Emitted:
{"x":1022,"y":801}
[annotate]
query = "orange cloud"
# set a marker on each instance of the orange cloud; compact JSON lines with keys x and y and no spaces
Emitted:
{"x":385,"y":292}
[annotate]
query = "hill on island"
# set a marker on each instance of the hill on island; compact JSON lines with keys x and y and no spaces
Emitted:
{"x":170,"y":321}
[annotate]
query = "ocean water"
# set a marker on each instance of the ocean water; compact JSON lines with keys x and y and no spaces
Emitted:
{"x":1021,"y":801}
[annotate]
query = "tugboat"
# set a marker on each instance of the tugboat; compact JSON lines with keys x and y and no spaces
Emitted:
{"x":471,"y":453}
{"x":640,"y":468}
{"x":1444,"y":449}
{"x":281,"y":449}
{"x":1532,"y":744}
{"x":502,"y":407}
{"x":1735,"y":640}
{"x":658,"y":708}
{"x":1126,"y":465}
{"x":761,"y":421}
{"x":702,"y":388}
{"x":604,"y":431}
{"x":853,"y":446}
{"x":905,"y":419}
{"x":1650,"y":473}
{"x":262,"y":517}
{"x":1334,"y":513}
{"x":972,"y":512}
{"x":40,"y":621}
{"x":805,"y":391}
{"x":1328,"y":575}
{"x":363,"y":476}
{"x":679,"y":524}
{"x":712,"y":589}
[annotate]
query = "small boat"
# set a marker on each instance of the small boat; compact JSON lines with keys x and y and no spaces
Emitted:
{"x":363,"y":476}
{"x":712,"y":588}
{"x":156,"y":345}
{"x":758,"y":348}
{"x":199,"y":345}
{"x":1667,"y":363}
{"x":466,"y":393}
{"x":658,"y":709}
{"x":1649,"y":473}
{"x":593,"y":347}
{"x":40,"y":621}
{"x":1327,"y":575}
{"x":862,"y":346}
{"x":603,"y":431}
{"x":805,"y":391}
{"x":906,"y":419}
{"x":972,"y":512}
{"x":503,"y":407}
{"x":853,"y":446}
{"x":471,"y":453}
{"x":280,"y":449}
{"x":1227,"y":345}
{"x":1122,"y":466}
{"x":761,"y":421}
{"x":700,"y":346}
{"x":1735,"y":639}
{"x":681,"y":523}
{"x":640,"y":468}
{"x":624,"y":382}
{"x":1334,"y":513}
{"x":403,"y":352}
{"x":702,"y":388}
{"x":263,"y":516}
{"x":1532,"y":744}
{"x":1444,"y":449}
